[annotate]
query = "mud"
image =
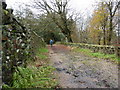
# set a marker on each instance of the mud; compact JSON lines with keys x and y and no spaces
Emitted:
{"x":76,"y":70}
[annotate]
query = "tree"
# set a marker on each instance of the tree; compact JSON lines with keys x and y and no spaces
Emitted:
{"x":95,"y":30}
{"x":48,"y":29}
{"x":57,"y":8}
{"x":112,"y":7}
{"x":104,"y":19}
{"x":103,"y":15}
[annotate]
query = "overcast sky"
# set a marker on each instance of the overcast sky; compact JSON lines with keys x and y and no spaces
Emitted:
{"x":78,"y":5}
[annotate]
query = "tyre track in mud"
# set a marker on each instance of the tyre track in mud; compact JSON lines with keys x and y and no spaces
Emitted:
{"x":75,"y":70}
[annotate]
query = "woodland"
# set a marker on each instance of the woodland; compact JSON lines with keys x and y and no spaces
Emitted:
{"x":26,"y":33}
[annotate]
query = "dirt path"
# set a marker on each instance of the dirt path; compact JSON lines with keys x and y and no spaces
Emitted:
{"x":75,"y":70}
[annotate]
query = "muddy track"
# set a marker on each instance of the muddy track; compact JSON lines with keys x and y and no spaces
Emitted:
{"x":75,"y":70}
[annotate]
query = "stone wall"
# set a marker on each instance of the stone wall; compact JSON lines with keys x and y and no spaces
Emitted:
{"x":97,"y":48}
{"x":19,"y":44}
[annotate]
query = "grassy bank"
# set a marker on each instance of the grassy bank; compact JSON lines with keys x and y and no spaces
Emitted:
{"x":37,"y":74}
{"x":42,"y":53}
{"x":111,"y":57}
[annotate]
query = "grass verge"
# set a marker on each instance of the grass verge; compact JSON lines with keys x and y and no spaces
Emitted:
{"x":42,"y":53}
{"x":88,"y":52}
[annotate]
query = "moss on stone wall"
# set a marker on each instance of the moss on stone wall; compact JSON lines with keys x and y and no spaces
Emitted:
{"x":106,"y":49}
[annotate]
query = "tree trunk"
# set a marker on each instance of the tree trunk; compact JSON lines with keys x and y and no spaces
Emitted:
{"x":104,"y":36}
{"x":110,"y":31}
{"x":99,"y":39}
{"x":68,"y":35}
{"x":69,"y":39}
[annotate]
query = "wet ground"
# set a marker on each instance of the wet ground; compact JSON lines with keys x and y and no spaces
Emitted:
{"x":76,"y":70}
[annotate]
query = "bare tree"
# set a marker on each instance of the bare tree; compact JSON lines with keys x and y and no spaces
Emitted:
{"x":112,"y":8}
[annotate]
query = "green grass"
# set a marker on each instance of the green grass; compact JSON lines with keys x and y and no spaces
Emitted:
{"x":43,"y":50}
{"x":112,"y":57}
{"x":41,"y":56}
{"x":41,"y":53}
{"x":33,"y":77}
{"x":104,"y":56}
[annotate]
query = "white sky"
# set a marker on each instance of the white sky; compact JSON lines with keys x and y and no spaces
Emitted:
{"x":78,"y":5}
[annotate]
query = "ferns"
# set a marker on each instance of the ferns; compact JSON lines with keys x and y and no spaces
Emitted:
{"x":33,"y":78}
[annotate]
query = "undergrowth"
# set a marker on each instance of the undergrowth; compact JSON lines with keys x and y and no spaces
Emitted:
{"x":42,"y":56}
{"x":112,"y":57}
{"x":43,"y":50}
{"x":41,"y":53}
{"x":33,"y":78}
